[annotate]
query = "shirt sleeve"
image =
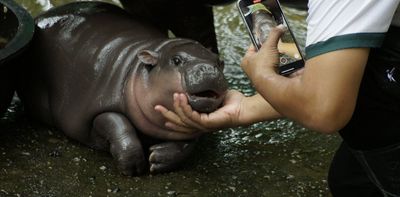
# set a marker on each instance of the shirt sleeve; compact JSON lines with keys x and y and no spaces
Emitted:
{"x":339,"y":24}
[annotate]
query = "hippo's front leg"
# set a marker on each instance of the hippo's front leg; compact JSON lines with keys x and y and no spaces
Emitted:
{"x":114,"y":131}
{"x":166,"y":156}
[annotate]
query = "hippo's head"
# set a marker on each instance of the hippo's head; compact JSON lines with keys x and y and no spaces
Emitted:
{"x":178,"y":65}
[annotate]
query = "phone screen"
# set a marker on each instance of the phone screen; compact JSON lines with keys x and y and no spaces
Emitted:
{"x":262,"y":15}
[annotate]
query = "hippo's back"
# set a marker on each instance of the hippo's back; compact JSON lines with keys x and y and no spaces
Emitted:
{"x":81,"y":55}
{"x":75,"y":24}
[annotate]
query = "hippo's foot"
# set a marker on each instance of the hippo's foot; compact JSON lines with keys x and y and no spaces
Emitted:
{"x":167,"y":156}
{"x":116,"y":131}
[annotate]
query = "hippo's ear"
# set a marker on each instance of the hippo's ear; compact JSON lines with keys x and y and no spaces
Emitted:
{"x":148,"y":57}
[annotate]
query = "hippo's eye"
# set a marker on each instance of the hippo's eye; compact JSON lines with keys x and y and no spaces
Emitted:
{"x":177,"y":60}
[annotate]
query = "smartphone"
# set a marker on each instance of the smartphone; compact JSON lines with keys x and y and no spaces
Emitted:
{"x":259,"y":17}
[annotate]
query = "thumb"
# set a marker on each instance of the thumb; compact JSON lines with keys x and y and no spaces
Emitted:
{"x":274,"y":36}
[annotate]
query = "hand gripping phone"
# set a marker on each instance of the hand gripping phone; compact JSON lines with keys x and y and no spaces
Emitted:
{"x":259,"y":17}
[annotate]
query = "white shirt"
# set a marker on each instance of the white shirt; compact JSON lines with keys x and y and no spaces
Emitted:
{"x":339,"y":24}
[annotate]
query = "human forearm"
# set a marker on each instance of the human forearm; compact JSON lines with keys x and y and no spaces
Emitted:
{"x":256,"y":109}
{"x":323,"y":97}
{"x":289,"y":96}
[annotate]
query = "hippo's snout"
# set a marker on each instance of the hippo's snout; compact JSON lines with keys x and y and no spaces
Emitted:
{"x":205,"y":86}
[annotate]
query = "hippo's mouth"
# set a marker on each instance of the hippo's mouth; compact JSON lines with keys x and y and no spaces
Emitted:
{"x":206,"y":101}
{"x":205,"y":86}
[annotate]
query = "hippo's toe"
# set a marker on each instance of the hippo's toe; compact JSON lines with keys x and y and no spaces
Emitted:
{"x":167,"y":156}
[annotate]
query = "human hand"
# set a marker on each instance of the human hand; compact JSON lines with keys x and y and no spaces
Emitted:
{"x":266,"y":60}
{"x":184,"y":119}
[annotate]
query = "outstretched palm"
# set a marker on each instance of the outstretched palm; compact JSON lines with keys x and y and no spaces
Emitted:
{"x":184,"y":119}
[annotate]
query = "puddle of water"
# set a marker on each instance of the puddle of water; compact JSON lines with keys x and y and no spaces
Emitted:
{"x":278,"y":158}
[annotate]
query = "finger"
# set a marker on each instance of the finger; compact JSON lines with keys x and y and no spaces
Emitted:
{"x":174,"y":122}
{"x":245,"y":60}
{"x":274,"y":36}
{"x":179,"y":111}
{"x":169,"y":115}
{"x":180,"y":128}
{"x":203,"y":121}
{"x":251,"y":49}
{"x":187,"y":109}
{"x":185,"y":112}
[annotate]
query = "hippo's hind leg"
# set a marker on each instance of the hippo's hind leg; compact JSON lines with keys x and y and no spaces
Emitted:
{"x":167,"y":156}
{"x":113,"y":130}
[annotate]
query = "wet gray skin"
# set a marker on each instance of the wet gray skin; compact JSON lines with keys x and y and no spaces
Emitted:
{"x":277,"y":158}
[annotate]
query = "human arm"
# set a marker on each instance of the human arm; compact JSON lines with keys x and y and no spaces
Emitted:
{"x":322,"y":98}
{"x":339,"y":35}
{"x":237,"y":110}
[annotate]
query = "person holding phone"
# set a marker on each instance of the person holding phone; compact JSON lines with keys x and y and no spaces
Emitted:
{"x":350,"y":84}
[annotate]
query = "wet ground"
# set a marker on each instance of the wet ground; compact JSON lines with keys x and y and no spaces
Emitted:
{"x":255,"y":161}
{"x":278,"y":158}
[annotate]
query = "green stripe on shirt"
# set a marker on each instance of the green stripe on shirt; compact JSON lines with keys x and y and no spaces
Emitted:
{"x":357,"y":40}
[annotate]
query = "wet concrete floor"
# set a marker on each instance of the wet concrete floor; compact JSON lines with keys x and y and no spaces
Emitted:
{"x":40,"y":161}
